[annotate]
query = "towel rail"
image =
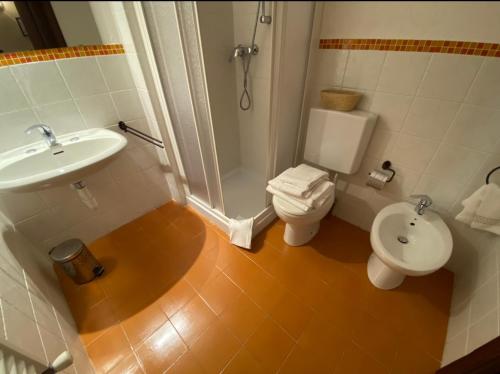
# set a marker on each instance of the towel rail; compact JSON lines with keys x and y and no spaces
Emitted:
{"x":125,"y":128}
{"x":491,"y":172}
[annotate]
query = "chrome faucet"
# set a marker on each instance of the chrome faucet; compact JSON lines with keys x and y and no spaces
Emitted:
{"x":424,"y":202}
{"x":46,"y":132}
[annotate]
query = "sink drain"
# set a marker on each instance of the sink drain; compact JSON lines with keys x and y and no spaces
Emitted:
{"x":403,"y":239}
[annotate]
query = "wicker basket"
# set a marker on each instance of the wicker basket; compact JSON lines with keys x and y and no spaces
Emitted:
{"x":340,"y":99}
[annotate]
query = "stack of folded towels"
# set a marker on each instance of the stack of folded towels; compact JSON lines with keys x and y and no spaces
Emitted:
{"x":303,"y":186}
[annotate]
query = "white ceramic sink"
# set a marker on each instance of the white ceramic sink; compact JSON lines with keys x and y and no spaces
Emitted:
{"x":34,"y":166}
{"x":407,"y":244}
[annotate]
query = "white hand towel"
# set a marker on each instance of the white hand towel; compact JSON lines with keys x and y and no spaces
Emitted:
{"x":240,"y":232}
{"x":482,"y":209}
{"x":303,"y":176}
{"x":318,"y":196}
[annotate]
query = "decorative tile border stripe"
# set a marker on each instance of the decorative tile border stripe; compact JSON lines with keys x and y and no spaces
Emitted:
{"x":408,"y":45}
{"x":38,"y":55}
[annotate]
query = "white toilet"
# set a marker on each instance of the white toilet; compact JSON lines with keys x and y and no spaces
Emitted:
{"x":336,"y":141}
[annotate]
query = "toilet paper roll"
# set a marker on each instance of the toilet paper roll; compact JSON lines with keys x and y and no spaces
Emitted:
{"x":377,"y":179}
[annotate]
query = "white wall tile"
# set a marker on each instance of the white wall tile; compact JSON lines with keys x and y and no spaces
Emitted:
{"x":402,"y":72}
{"x":13,"y":126}
{"x":331,"y":67}
{"x":17,"y":206}
{"x":22,"y":332}
{"x":403,"y":183}
{"x":41,"y":82}
{"x":443,"y":192}
{"x":413,"y":152}
{"x":449,"y":76}
{"x":487,"y":267}
{"x":391,"y":110}
{"x":82,"y":76}
{"x":483,"y":331}
{"x":476,"y":127}
{"x":363,"y":69}
{"x":53,"y":344}
{"x":16,"y":296}
{"x":62,"y":117}
{"x":44,"y":314}
{"x":454,"y":348}
{"x":116,"y":72}
{"x":136,"y":72}
{"x":485,"y":90}
{"x":459,"y":320}
{"x":430,"y":118}
{"x":455,"y":164}
{"x":381,"y":143}
{"x":11,"y":96}
{"x":484,"y":300}
{"x":128,"y":105}
{"x":98,"y":111}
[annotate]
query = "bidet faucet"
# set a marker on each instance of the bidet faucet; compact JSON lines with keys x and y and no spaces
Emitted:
{"x":423,"y":203}
{"x":46,"y":132}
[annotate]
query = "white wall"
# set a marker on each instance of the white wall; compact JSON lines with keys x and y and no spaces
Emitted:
{"x":33,"y":314}
{"x":254,"y":123}
{"x":437,"y":20}
{"x":76,"y":22}
{"x":439,"y":123}
{"x":216,"y":32}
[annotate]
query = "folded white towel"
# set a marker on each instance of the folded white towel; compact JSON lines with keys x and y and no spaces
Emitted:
{"x":292,"y":189}
{"x":240,"y":232}
{"x":317,"y":197}
{"x":482,"y":209}
{"x":303,"y":176}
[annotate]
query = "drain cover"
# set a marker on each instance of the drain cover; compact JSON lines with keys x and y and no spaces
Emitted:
{"x":403,"y":239}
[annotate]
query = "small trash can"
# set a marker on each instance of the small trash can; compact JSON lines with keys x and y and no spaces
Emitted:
{"x":76,"y":261}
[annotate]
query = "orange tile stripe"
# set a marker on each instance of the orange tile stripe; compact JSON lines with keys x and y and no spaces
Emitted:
{"x":408,"y":45}
{"x":38,"y":55}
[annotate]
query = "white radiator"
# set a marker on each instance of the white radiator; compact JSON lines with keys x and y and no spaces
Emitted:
{"x":14,"y":362}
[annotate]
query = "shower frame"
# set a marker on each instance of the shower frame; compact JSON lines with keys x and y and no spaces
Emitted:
{"x":190,"y":40}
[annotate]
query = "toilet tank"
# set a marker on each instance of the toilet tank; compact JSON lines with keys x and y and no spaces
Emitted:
{"x":338,"y":140}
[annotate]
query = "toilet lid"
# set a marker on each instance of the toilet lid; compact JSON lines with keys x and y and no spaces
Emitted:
{"x":293,"y":210}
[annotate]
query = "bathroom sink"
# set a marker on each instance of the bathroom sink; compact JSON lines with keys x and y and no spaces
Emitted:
{"x":406,"y":243}
{"x":36,"y":166}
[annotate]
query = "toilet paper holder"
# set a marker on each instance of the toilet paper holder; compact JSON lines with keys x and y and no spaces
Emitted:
{"x":387,"y":166}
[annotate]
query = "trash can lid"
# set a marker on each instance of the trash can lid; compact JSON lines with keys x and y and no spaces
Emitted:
{"x":67,"y":250}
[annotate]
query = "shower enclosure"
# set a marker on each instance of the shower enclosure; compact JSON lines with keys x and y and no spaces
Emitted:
{"x":232,"y":74}
{"x":237,"y":52}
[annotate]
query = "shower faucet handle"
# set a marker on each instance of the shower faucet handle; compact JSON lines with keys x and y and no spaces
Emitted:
{"x":242,"y":51}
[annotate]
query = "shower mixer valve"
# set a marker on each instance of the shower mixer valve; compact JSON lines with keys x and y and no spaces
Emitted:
{"x":242,"y":51}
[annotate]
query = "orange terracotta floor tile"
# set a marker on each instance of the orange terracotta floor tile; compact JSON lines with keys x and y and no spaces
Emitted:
{"x":161,"y":349}
{"x":177,"y":297}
